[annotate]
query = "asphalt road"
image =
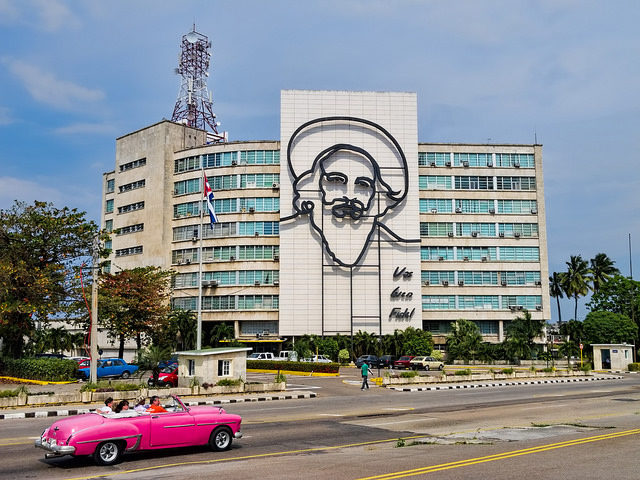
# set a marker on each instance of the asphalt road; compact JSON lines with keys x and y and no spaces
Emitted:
{"x":570,"y":431}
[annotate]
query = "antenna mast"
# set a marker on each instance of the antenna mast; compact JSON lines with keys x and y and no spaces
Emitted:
{"x":194,"y":104}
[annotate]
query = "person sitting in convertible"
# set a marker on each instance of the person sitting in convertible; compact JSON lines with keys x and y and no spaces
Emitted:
{"x":155,"y":406}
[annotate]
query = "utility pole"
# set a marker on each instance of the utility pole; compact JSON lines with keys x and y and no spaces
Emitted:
{"x":93,"y":364}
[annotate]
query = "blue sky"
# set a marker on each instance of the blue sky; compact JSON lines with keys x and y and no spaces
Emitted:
{"x":74,"y":75}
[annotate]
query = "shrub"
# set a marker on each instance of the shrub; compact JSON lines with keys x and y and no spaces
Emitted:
{"x":46,"y":369}
{"x":229,"y":382}
{"x":463,"y":372}
{"x":343,"y":356}
{"x":280,"y":378}
{"x":507,"y":371}
{"x":634,"y":367}
{"x":106,"y":386}
{"x":586,"y":367}
{"x":548,"y":370}
{"x":409,"y":374}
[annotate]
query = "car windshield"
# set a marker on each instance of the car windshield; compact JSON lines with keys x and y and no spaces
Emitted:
{"x":405,"y":358}
{"x":254,"y":355}
{"x":167,"y":370}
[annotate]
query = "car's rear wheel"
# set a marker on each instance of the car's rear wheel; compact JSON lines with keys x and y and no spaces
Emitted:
{"x":125,"y":374}
{"x":220,"y":439}
{"x":108,"y":453}
{"x":441,"y":366}
{"x":426,"y":367}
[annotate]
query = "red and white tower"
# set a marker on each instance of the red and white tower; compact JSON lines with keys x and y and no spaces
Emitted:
{"x":194,"y":104}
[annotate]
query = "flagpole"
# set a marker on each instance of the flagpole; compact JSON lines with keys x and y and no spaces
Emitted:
{"x":201,"y":234}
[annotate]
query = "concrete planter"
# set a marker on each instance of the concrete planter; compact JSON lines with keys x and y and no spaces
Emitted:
{"x":477,"y":377}
{"x":8,"y":402}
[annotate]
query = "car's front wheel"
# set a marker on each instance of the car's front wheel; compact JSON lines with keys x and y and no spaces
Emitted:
{"x":107,"y":453}
{"x":426,"y":367}
{"x":220,"y":439}
{"x":125,"y":374}
{"x":440,"y":367}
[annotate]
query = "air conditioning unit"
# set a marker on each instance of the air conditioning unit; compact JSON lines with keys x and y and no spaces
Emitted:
{"x":434,"y":210}
{"x":447,"y":163}
{"x":515,"y":308}
{"x":440,"y":259}
{"x":516,"y":164}
{"x":484,"y":259}
{"x":252,"y":210}
{"x":458,"y":210}
{"x":257,"y":283}
{"x":275,"y":186}
{"x":450,"y":234}
{"x":492,"y":211}
{"x":466,"y":259}
{"x":232,"y":258}
{"x":489,"y":163}
{"x":534,"y":211}
{"x":234,"y":162}
{"x":501,"y":234}
{"x":445,"y":283}
{"x":194,"y":239}
{"x":276,"y":283}
{"x":209,"y":283}
{"x":474,"y":234}
{"x":539,"y":308}
{"x":538,"y":283}
{"x":187,"y":261}
{"x":516,"y":234}
{"x":460,"y":283}
{"x":276,"y":258}
{"x":503,"y":283}
{"x":465,"y":163}
{"x":257,"y":234}
{"x":425,"y":283}
{"x":432,"y":163}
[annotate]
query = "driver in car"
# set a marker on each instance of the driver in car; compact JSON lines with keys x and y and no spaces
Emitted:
{"x":155,"y":406}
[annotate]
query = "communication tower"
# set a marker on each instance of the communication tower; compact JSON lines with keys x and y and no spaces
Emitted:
{"x":194,"y":104}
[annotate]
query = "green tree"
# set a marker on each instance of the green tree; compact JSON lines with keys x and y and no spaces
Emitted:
{"x":618,"y":295}
{"x":601,"y":270}
{"x":221,"y":331}
{"x":133,"y":303}
{"x":569,"y":348}
{"x":609,"y":327}
{"x":183,"y":326}
{"x":521,"y":334}
{"x":41,"y":250}
{"x":573,"y":329}
{"x":417,"y":342}
{"x":364,"y":343}
{"x":464,"y":339}
{"x":576,"y":280}
{"x":556,"y":281}
{"x":328,"y":346}
{"x":150,"y":358}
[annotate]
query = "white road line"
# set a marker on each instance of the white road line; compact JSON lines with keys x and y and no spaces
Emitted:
{"x":330,"y":415}
{"x":414,"y":420}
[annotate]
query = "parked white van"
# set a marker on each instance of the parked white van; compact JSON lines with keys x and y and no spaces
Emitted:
{"x":261,"y":356}
{"x":288,"y":355}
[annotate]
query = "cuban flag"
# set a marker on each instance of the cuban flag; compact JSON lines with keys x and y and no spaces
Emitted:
{"x":208,"y":195}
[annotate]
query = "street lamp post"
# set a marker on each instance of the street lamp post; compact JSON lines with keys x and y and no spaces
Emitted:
{"x":93,"y":363}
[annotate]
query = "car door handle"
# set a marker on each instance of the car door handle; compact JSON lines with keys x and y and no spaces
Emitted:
{"x":154,"y":416}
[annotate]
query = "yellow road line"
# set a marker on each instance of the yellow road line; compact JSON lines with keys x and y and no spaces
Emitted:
{"x":499,"y":456}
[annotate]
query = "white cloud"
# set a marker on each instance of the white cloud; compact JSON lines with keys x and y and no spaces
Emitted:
{"x":5,"y":116}
{"x":54,"y":15}
{"x":46,"y":88}
{"x":88,"y":128}
{"x":12,"y":189}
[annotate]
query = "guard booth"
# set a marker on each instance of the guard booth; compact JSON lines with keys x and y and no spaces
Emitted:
{"x":612,"y":356}
{"x":212,"y":364}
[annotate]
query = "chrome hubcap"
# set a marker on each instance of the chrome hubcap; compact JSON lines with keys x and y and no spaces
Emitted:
{"x":222,"y":439}
{"x":108,"y":452}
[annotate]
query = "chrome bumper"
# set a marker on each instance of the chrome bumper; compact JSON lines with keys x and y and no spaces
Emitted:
{"x":238,"y":434}
{"x":53,"y":448}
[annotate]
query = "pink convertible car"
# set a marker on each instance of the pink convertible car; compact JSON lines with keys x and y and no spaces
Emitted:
{"x":107,"y":436}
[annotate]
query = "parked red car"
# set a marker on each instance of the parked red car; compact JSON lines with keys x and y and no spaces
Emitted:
{"x":168,"y":377}
{"x":403,"y":362}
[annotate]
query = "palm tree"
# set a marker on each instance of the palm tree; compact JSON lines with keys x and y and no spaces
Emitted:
{"x":185,"y":324}
{"x":576,"y":280}
{"x":602,"y":269}
{"x":555,"y":290}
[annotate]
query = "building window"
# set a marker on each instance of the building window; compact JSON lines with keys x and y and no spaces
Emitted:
{"x":259,"y":180}
{"x":518,"y":229}
{"x":258,"y":252}
{"x":184,"y":303}
{"x":516,"y":183}
{"x":433,"y":159}
{"x":474,"y":206}
{"x":487,"y":327}
{"x":436,"y":205}
{"x":475,"y":229}
{"x":477,"y":277}
{"x":123,"y":252}
{"x":224,"y":368}
{"x":223,"y":182}
{"x":108,"y":208}
{"x":437,"y":277}
{"x":186,"y":164}
{"x":251,"y":277}
{"x":184,"y":256}
{"x":192,"y":367}
{"x":519,"y":302}
{"x":436,"y":253}
{"x":517,"y":206}
{"x":185,"y":280}
{"x":106,"y":267}
{"x":260,"y":157}
{"x":478,"y":302}
{"x":138,"y":227}
{"x":131,"y":207}
{"x":187,"y":232}
{"x":472,"y":160}
{"x":434,"y":182}
{"x":187,"y":186}
{"x":517,"y":160}
{"x":217,"y":254}
{"x":473,"y":182}
{"x":111,"y":185}
{"x":132,"y":186}
{"x":108,"y":244}
{"x":108,"y":226}
{"x":188,"y":209}
{"x":222,"y":159}
{"x":522,"y":254}
{"x":476,"y":253}
{"x":520,"y":278}
{"x":220,"y":229}
{"x":135,"y":164}
{"x":436,"y":229}
{"x":266,"y":204}
{"x":260,"y":228}
{"x":438,"y":302}
{"x":258,"y":327}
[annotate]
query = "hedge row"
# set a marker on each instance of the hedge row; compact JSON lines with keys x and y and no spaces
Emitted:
{"x":293,"y":366}
{"x":634,"y":367}
{"x":46,"y":369}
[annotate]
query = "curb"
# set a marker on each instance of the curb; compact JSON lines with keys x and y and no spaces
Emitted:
{"x":79,"y":411}
{"x":501,"y":384}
